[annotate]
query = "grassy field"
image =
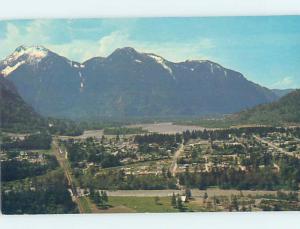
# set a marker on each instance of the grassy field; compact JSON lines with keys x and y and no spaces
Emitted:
{"x":148,"y":204}
{"x":141,"y":204}
{"x":197,"y":205}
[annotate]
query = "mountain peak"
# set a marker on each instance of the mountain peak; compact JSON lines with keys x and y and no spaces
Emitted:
{"x":30,"y":54}
{"x":34,"y":51}
{"x":30,"y":48}
{"x":23,"y":54}
{"x":126,"y":51}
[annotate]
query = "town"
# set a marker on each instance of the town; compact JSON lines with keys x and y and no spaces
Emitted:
{"x":235,"y":169}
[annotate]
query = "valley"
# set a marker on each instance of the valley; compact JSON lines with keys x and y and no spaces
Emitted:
{"x":134,"y":132}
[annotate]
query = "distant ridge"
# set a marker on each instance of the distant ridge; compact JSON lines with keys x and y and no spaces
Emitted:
{"x":282,"y":92}
{"x":285,"y":110}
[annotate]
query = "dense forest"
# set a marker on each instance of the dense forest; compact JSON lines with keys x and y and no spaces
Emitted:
{"x":158,"y":138}
{"x":256,"y":177}
{"x":45,"y":195}
{"x":16,"y":170}
{"x":116,"y":179}
{"x":224,"y":134}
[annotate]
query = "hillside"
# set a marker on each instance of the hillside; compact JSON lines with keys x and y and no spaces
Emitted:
{"x":282,"y":92}
{"x":16,"y":115}
{"x":285,"y":110}
{"x":128,"y":83}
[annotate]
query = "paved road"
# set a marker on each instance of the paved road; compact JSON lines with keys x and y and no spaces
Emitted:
{"x":195,"y":192}
{"x":276,"y":147}
{"x":60,"y":156}
{"x":173,"y":166}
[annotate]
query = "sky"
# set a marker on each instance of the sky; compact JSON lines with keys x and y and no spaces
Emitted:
{"x":266,"y":50}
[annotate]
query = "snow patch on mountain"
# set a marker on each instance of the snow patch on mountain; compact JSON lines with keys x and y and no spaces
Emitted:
{"x":76,"y":65}
{"x":23,"y":55}
{"x":33,"y":53}
{"x":81,"y":81}
{"x":211,"y":68}
{"x":162,"y":62}
{"x":9,"y":69}
{"x":196,"y":61}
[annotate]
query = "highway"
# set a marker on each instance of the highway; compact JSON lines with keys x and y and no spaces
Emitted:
{"x":60,"y":156}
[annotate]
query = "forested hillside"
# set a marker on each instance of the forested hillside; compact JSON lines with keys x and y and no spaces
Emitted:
{"x":286,"y":110}
{"x":16,"y":115}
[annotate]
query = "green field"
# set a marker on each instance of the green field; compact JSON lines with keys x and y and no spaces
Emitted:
{"x":143,"y":204}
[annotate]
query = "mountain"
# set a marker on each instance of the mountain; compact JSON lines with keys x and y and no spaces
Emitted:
{"x":44,"y":79}
{"x":282,"y":92}
{"x":285,"y":110}
{"x":15,"y":113}
{"x":128,"y":83}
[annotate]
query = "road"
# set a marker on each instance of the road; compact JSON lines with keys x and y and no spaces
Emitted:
{"x":173,"y":166}
{"x":195,"y":192}
{"x":60,"y":156}
{"x":276,"y":147}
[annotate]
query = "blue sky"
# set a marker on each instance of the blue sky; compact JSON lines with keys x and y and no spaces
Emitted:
{"x":265,"y":49}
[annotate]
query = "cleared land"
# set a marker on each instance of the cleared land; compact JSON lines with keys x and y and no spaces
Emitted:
{"x":140,"y":204}
{"x":166,"y":127}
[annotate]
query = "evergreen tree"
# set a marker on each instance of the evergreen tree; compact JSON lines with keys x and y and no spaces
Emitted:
{"x":173,"y":200}
{"x":97,"y":198}
{"x":188,"y":193}
{"x":104,"y":196}
{"x":179,"y":203}
{"x":205,"y":196}
{"x":234,"y":203}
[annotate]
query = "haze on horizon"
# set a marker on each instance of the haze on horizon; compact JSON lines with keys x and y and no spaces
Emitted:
{"x":264,"y":49}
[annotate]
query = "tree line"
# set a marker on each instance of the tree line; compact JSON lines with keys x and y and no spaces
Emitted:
{"x":16,"y":170}
{"x":41,"y":140}
{"x":254,"y":178}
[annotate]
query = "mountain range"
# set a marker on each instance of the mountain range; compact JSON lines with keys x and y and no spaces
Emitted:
{"x":128,"y":83}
